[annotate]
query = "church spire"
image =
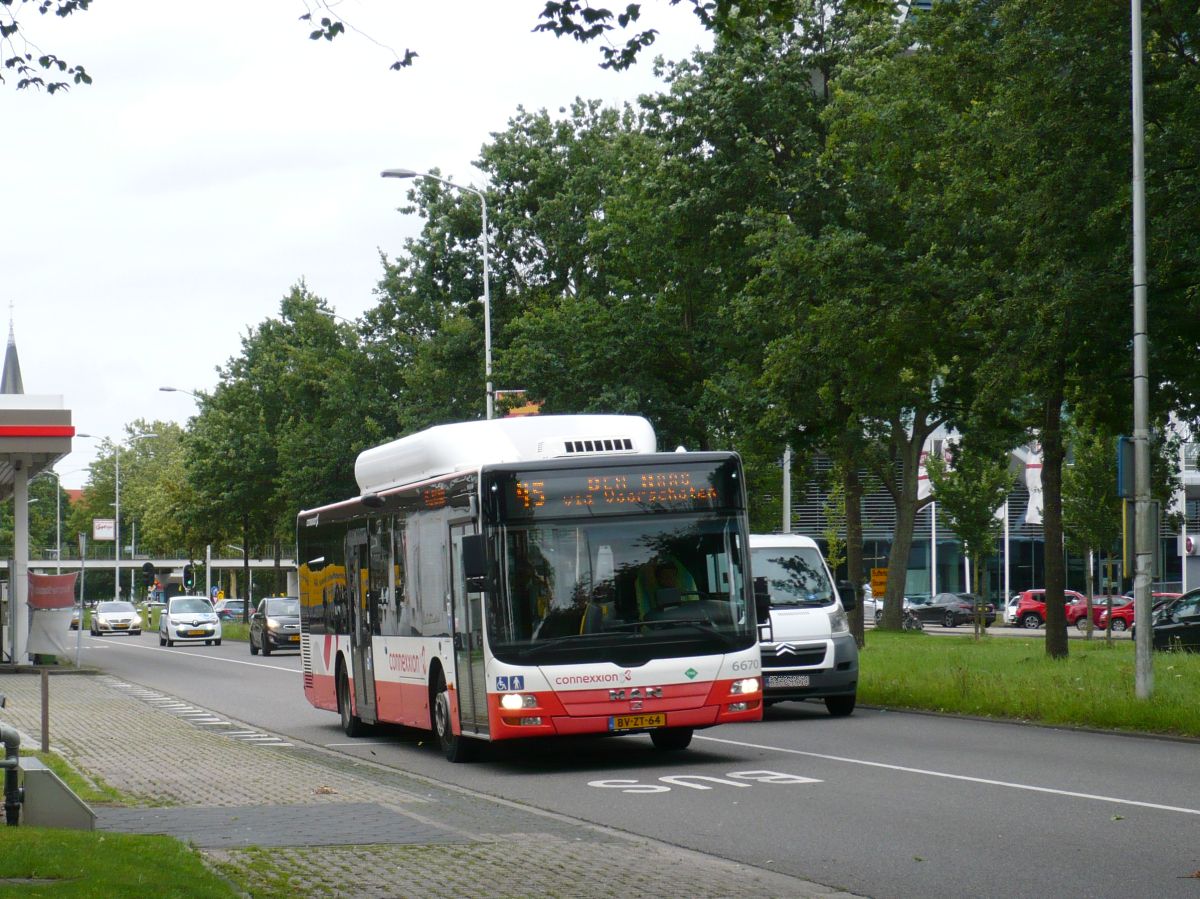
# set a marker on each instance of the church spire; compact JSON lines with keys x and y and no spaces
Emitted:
{"x":10,"y":380}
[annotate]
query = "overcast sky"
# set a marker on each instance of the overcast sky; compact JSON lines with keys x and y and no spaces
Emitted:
{"x":220,"y":156}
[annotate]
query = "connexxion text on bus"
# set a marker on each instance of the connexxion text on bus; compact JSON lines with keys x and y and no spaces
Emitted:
{"x":532,"y":577}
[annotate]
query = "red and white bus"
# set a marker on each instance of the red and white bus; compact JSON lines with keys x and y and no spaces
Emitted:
{"x":530,"y":577}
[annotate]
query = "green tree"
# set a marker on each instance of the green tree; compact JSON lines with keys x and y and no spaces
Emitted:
{"x":1091,"y":507}
{"x":43,"y":518}
{"x":281,"y":430}
{"x":968,"y":492}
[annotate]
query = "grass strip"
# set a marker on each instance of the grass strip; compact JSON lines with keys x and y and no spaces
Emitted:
{"x":1013,"y":678}
{"x":40,"y":862}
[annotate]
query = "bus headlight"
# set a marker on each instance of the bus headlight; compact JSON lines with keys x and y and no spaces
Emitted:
{"x":744,"y":686}
{"x":513,"y":701}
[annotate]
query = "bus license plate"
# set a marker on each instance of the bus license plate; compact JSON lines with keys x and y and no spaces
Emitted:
{"x":787,"y":680}
{"x":636,"y":722}
{"x":295,"y":638}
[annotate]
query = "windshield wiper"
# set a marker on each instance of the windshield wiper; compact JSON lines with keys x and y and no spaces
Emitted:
{"x":804,"y":603}
{"x":553,"y":642}
{"x":664,"y":623}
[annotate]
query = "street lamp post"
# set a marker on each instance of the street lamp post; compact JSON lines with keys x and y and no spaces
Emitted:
{"x":180,"y":390}
{"x":483,"y":242}
{"x":117,"y":507}
{"x":1146,"y":526}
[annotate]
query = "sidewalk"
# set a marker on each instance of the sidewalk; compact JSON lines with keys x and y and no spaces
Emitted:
{"x":345,"y":827}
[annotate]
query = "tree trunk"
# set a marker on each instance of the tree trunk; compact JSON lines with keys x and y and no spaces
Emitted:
{"x":852,"y":490}
{"x":1056,"y":575}
{"x":1089,"y":591}
{"x":907,"y":506}
{"x":246,"y":567}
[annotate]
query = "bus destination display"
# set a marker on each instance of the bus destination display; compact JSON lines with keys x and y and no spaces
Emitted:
{"x":611,"y":491}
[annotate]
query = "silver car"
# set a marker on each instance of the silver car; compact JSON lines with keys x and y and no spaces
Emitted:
{"x":115,"y":618}
{"x":188,"y":619}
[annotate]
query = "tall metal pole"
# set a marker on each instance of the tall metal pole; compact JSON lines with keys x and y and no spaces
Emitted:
{"x":787,"y":489}
{"x":82,"y":574}
{"x":487,"y":298}
{"x":116,"y":527}
{"x":1146,"y":530}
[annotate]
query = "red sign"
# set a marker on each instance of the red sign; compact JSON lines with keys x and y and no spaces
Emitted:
{"x":52,"y":591}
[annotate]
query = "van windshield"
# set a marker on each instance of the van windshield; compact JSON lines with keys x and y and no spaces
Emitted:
{"x":795,"y":576}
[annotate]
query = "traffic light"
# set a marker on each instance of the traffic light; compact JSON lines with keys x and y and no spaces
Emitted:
{"x":148,"y":574}
{"x":189,"y":576}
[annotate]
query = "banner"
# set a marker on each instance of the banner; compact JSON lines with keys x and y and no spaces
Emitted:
{"x":1031,"y":455}
{"x":51,"y":607}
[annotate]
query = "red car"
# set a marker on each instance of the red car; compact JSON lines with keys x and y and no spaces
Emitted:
{"x":1100,"y":611}
{"x":1031,"y":608}
{"x":1122,"y":615}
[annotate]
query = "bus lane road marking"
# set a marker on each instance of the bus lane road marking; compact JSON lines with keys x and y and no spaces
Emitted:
{"x":702,"y":781}
{"x":961,"y":777}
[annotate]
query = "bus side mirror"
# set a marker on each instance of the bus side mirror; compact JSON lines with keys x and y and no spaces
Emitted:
{"x":762,"y":600}
{"x":474,"y":561}
{"x":848,"y":595}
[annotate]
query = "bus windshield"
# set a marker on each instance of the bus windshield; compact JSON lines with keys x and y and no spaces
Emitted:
{"x":620,"y":590}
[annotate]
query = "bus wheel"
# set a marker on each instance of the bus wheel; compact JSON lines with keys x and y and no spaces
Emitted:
{"x":351,"y":723}
{"x":455,"y":747}
{"x":672,"y":739}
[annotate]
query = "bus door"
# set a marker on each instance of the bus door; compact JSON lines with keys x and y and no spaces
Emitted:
{"x":467,"y":614}
{"x":361,"y":610}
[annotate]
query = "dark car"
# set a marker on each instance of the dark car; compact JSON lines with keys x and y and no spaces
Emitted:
{"x":951,"y":609}
{"x":1177,"y":624}
{"x":275,"y":625}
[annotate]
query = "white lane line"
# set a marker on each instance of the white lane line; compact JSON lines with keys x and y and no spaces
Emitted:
{"x":963,"y":777}
{"x":210,"y":658}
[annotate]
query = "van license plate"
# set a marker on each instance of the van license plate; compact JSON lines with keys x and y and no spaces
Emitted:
{"x":636,"y":722}
{"x":787,"y":680}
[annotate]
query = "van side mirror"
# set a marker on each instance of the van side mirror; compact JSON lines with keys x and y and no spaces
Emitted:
{"x":848,"y":594}
{"x":762,"y":600}
{"x":474,"y":562}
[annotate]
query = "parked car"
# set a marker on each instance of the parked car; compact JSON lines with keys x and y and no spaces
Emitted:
{"x":188,"y":619}
{"x":276,"y":625}
{"x":1122,"y":615}
{"x":952,"y":609}
{"x":230,"y":609}
{"x":1010,"y":609}
{"x":115,"y":618}
{"x":1031,"y":607}
{"x":1177,"y":624}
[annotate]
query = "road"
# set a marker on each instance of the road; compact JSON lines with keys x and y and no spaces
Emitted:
{"x":882,"y":803}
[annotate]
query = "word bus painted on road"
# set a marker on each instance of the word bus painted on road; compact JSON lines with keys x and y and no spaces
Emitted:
{"x":532,"y":577}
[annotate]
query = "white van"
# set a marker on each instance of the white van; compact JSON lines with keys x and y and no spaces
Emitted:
{"x":808,"y":651}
